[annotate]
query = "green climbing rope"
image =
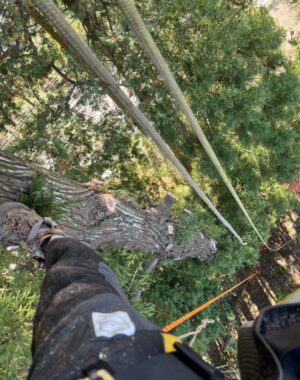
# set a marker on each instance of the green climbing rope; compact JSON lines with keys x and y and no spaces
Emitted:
{"x":151,"y":49}
{"x":82,"y":50}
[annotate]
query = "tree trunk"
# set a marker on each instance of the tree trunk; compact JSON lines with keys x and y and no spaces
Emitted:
{"x":100,"y":219}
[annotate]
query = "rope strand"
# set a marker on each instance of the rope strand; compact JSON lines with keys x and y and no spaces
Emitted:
{"x":189,"y":315}
{"x":148,"y":44}
{"x":82,"y":50}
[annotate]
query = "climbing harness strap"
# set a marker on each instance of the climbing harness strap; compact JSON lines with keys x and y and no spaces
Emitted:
{"x":74,"y":41}
{"x":168,"y":350}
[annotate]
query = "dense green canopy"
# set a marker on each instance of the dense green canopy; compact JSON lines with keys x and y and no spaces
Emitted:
{"x":245,"y":93}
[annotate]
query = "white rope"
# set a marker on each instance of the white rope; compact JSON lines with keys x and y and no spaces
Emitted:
{"x":162,"y":67}
{"x":79,"y":46}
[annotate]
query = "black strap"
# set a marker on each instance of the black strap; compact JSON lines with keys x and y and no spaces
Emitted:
{"x":196,"y":363}
{"x":147,"y":360}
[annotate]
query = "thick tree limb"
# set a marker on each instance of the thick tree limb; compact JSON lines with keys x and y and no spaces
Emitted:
{"x":102,"y":220}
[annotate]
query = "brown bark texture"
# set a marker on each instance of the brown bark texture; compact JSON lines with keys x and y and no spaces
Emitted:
{"x":99,"y":219}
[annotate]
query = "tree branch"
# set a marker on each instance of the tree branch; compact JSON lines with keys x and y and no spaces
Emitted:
{"x":101,"y":220}
{"x":63,"y":75}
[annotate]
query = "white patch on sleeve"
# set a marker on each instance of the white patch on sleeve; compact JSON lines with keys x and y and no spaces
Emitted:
{"x":110,"y":324}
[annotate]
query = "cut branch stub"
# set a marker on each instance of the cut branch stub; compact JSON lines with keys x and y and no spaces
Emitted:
{"x":16,"y":221}
{"x":201,"y":247}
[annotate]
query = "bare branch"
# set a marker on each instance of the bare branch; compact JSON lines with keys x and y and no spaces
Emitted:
{"x":204,"y":323}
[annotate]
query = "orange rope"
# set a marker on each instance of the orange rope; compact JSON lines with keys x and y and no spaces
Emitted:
{"x":189,"y":315}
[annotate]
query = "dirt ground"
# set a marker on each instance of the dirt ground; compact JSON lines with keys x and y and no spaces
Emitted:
{"x":279,"y":275}
{"x":286,"y":12}
{"x":279,"y":272}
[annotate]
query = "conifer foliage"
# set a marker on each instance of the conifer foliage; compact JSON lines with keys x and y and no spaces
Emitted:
{"x":245,"y":93}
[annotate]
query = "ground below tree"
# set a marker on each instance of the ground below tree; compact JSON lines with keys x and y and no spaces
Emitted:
{"x":279,"y":275}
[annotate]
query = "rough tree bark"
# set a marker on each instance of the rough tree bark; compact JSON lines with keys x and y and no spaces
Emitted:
{"x":100,"y":219}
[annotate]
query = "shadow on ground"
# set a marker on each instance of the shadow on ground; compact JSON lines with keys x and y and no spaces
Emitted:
{"x":279,"y":275}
